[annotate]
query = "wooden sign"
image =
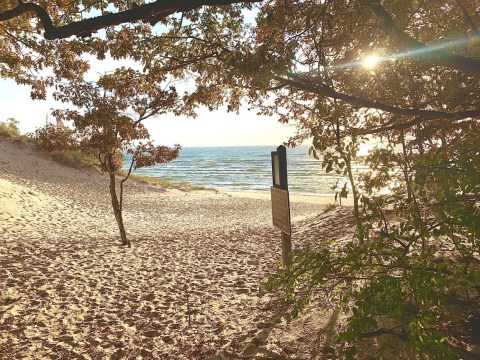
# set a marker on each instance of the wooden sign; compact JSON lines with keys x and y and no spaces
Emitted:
{"x":279,"y":168}
{"x":281,"y":210}
{"x":281,"y":202}
{"x":276,"y":169}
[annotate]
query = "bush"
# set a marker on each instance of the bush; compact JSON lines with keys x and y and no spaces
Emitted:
{"x":417,"y":250}
{"x":10,"y":128}
{"x":55,"y":138}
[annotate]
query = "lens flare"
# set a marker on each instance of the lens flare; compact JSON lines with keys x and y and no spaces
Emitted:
{"x":380,"y":55}
{"x":370,"y":61}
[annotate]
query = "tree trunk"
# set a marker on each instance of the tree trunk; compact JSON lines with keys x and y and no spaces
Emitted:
{"x":356,"y":207}
{"x":117,"y":210}
{"x":348,"y":164}
{"x":405,"y":167}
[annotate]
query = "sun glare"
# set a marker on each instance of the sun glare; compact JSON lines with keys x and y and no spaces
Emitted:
{"x":370,"y":61}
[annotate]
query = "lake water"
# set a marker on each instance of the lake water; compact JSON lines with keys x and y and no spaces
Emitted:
{"x":246,"y":168}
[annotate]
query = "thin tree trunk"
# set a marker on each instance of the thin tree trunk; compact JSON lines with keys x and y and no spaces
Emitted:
{"x":419,"y":138}
{"x":356,"y":210}
{"x":405,"y":166}
{"x":354,"y":187}
{"x":117,"y":210}
{"x":348,"y":164}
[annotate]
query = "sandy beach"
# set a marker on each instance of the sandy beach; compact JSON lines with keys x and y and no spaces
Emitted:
{"x":189,"y":288}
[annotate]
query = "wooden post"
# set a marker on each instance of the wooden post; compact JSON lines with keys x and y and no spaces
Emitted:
{"x":279,"y":177}
{"x":286,"y":249}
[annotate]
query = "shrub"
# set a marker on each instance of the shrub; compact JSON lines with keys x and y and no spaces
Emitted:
{"x":10,"y":128}
{"x":55,"y":138}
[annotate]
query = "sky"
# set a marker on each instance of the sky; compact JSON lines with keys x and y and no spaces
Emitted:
{"x":217,"y":128}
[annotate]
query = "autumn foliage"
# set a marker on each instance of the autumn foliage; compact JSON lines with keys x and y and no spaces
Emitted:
{"x":107,"y":122}
{"x":416,"y":198}
{"x":416,"y":206}
{"x":52,"y":137}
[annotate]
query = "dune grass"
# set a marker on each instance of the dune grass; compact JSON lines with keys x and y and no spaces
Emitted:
{"x":73,"y":158}
{"x":79,"y":160}
{"x":10,"y":128}
{"x":165,"y":184}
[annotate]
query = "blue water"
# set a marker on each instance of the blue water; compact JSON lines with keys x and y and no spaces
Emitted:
{"x":246,"y":168}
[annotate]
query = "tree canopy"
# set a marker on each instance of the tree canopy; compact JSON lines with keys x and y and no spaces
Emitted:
{"x":404,"y":74}
{"x":60,"y":20}
{"x":424,"y":51}
{"x":44,"y":42}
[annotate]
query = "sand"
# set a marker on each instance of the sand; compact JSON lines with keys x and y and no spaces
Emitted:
{"x":189,"y":288}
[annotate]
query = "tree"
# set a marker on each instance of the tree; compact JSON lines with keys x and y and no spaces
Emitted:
{"x":46,"y":43}
{"x":303,"y":61}
{"x":417,"y":247}
{"x":108,"y":121}
{"x":56,"y":35}
{"x":56,"y":26}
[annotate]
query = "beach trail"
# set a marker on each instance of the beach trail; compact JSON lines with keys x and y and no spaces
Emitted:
{"x":189,"y":287}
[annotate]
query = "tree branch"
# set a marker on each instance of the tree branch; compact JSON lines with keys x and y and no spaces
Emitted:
{"x":23,"y":8}
{"x":394,"y":126}
{"x":311,"y":86}
{"x":383,"y":331}
{"x":125,"y":179}
{"x":417,"y":49}
{"x":152,"y":12}
{"x":468,"y":18}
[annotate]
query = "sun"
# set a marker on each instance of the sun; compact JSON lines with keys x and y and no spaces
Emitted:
{"x":370,"y":61}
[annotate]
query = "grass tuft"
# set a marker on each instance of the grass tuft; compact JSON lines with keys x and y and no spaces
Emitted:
{"x":71,"y":158}
{"x":74,"y":159}
{"x":9,"y":128}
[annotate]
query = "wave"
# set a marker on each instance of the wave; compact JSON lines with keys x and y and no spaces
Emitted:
{"x":243,"y":168}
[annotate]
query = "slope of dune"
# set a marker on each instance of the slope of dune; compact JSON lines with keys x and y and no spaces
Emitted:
{"x":187,"y":289}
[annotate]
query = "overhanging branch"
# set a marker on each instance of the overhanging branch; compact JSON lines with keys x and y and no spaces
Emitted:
{"x":468,"y":19}
{"x":152,"y":12}
{"x":393,"y":126}
{"x":418,"y":49}
{"x":311,"y":86}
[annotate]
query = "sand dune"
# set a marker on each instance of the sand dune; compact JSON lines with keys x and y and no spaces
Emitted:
{"x":187,"y":289}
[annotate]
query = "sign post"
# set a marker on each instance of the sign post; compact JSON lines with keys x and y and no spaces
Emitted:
{"x":281,"y":202}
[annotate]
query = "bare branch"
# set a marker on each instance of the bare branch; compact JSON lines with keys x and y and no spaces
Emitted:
{"x":396,"y":126}
{"x":382,"y":331}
